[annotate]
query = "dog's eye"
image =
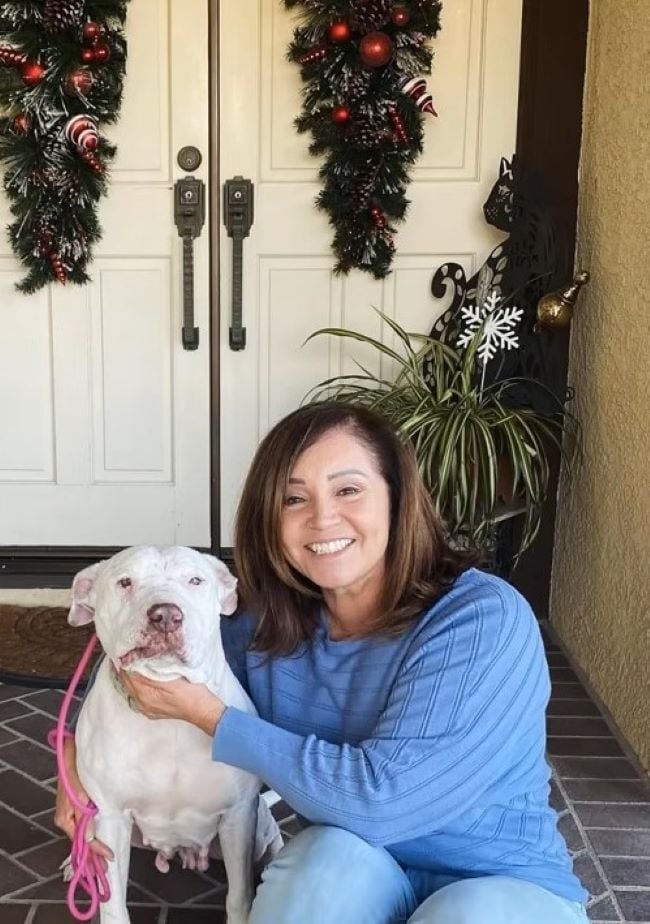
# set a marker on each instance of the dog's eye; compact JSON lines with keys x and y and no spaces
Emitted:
{"x":125,"y":582}
{"x":196,"y":580}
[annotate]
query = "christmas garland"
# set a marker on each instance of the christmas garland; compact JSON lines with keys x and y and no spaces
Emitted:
{"x":364,"y":104}
{"x":62,"y":65}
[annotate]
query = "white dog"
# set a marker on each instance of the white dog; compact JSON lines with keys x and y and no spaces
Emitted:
{"x":156,"y":611}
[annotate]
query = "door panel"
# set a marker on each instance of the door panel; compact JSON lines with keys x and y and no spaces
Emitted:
{"x":289,"y":290}
{"x":105,"y":418}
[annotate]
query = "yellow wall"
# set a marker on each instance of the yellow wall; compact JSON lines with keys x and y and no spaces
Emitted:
{"x":601,"y":575}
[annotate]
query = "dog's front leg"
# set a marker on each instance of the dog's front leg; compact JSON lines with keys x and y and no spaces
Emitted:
{"x":114,"y":829}
{"x":237,"y":837}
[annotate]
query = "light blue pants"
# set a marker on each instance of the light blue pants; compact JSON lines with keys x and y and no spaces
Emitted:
{"x":326,"y":875}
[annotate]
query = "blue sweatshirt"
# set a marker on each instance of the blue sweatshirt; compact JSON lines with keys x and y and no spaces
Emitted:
{"x":431,"y":745}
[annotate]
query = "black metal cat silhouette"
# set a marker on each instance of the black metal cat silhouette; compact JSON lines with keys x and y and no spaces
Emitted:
{"x":530,"y":262}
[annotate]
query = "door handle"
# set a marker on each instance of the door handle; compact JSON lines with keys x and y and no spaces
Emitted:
{"x":238,"y":209}
{"x":189,"y":215}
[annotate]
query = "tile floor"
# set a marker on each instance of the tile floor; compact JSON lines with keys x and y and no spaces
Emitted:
{"x":604,"y":811}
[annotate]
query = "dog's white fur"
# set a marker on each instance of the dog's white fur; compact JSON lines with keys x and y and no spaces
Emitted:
{"x":159,"y":776}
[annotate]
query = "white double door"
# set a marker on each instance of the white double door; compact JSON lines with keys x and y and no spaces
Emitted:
{"x":104,"y":417}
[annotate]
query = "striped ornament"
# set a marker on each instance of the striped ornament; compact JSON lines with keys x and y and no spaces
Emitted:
{"x":82,"y":132}
{"x":416,"y":88}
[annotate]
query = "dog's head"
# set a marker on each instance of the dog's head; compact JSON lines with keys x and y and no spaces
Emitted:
{"x":158,"y":606}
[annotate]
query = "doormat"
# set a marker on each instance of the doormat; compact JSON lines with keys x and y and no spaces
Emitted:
{"x":39,"y":649}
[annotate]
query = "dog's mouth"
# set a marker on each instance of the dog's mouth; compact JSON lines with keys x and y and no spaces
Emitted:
{"x":170,"y":647}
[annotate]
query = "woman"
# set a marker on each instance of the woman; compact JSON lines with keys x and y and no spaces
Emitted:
{"x":401,"y":696}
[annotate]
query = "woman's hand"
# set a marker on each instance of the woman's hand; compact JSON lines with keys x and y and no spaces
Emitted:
{"x":175,"y":699}
{"x":66,"y":816}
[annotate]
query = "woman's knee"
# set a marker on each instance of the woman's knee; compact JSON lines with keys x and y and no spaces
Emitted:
{"x":332,"y":875}
{"x":496,"y":900}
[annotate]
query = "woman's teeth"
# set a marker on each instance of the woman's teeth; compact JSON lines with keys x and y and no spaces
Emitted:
{"x":327,"y":548}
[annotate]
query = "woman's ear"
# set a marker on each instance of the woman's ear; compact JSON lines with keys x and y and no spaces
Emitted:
{"x":82,"y":610}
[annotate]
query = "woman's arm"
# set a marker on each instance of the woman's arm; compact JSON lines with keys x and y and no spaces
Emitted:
{"x":466,"y":709}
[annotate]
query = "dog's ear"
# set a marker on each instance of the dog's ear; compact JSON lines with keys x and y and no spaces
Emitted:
{"x":82,"y":610}
{"x":227,"y":586}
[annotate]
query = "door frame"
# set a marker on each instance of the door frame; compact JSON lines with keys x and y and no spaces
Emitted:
{"x":553,"y":56}
{"x":549,"y":137}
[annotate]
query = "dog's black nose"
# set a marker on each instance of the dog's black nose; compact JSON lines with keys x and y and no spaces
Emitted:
{"x":165,"y":616}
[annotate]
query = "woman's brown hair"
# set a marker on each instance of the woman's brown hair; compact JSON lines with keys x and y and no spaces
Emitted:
{"x":420,"y":564}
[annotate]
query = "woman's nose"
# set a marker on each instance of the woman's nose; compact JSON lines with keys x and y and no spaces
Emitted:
{"x":323,"y":512}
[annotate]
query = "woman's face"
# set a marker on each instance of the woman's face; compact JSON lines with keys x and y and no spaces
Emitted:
{"x":336,"y":514}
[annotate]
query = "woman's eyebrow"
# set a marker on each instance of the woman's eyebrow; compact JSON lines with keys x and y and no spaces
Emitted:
{"x":346,"y":471}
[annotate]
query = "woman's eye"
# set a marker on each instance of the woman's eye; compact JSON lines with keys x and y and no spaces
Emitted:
{"x":125,"y":582}
{"x":196,"y":580}
{"x":349,"y":490}
{"x":292,"y":501}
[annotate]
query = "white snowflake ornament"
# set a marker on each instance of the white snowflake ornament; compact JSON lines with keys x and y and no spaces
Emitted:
{"x":497,"y":326}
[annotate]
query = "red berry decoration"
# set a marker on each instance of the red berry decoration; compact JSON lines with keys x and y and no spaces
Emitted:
{"x":400,"y":16}
{"x":32,"y":73}
{"x":11,"y":56}
{"x":78,"y":82}
{"x":101,"y":53}
{"x":22,"y":124}
{"x":93,"y":162}
{"x":339,"y":31}
{"x":91,"y":32}
{"x":378,"y":217}
{"x":340,"y":115}
{"x":399,"y":128}
{"x":87,"y":55}
{"x":319,"y":53}
{"x":376,"y":49}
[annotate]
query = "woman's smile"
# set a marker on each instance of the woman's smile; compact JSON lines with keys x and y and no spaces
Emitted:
{"x":332,"y":547}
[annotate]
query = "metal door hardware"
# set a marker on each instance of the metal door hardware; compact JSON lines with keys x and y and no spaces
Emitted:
{"x":189,"y":215}
{"x":238,"y":211}
{"x":189,"y":158}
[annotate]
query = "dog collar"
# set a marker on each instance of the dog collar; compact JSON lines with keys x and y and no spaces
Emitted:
{"x":120,"y":689}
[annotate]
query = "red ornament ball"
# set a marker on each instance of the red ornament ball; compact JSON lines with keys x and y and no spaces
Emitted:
{"x":87,"y":55}
{"x":78,"y":82}
{"x":101,"y":53}
{"x":340,"y":115}
{"x":400,"y":16}
{"x":91,"y":32}
{"x":22,"y":123}
{"x":376,"y":49}
{"x":32,"y":73}
{"x":339,"y":31}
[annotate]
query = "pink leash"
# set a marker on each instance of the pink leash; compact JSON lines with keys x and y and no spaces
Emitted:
{"x":88,"y":872}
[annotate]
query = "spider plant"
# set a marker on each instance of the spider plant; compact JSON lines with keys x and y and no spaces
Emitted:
{"x":465,"y":434}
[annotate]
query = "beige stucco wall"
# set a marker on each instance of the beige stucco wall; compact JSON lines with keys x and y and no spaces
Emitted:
{"x":601,"y":576}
